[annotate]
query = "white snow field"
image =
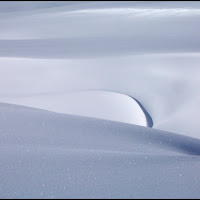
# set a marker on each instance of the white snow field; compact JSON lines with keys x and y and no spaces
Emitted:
{"x":99,"y":99}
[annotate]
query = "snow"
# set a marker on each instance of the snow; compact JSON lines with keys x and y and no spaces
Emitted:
{"x":50,"y":155}
{"x":112,"y":96}
{"x":165,"y":84}
{"x":98,"y":104}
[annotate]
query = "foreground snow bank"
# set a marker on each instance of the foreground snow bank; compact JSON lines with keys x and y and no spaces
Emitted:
{"x":50,"y":155}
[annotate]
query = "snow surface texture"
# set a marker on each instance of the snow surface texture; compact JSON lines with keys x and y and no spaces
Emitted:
{"x":50,"y":155}
{"x":92,"y":66}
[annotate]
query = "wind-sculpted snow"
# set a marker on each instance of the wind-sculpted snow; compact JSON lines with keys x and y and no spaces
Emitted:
{"x":99,"y":104}
{"x":50,"y":155}
{"x":166,"y":85}
{"x":148,"y":51}
{"x":59,"y":58}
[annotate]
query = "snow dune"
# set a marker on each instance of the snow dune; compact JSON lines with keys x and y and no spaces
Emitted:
{"x":166,"y":85}
{"x":99,"y":104}
{"x":50,"y":155}
{"x":112,"y":90}
{"x":148,"y":51}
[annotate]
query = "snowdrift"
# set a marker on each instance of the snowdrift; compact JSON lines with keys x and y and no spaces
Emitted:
{"x":148,"y":51}
{"x":96,"y":76}
{"x":50,"y":155}
{"x":99,"y":104}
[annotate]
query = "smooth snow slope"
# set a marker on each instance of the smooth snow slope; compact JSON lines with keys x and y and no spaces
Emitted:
{"x":143,"y":57}
{"x":149,"y":51}
{"x":50,"y":155}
